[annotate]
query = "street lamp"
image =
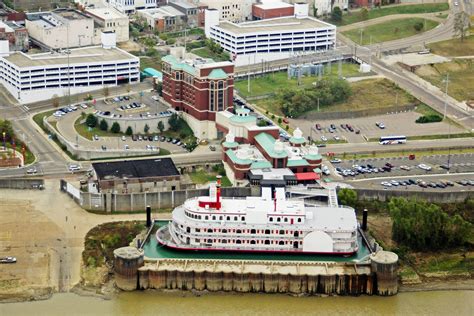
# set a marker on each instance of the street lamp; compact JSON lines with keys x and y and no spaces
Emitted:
{"x":446,"y":95}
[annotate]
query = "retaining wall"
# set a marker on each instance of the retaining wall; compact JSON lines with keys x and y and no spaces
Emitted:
{"x":435,"y":197}
{"x":360,"y":113}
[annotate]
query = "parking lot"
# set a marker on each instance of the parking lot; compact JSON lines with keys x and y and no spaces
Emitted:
{"x":149,"y":104}
{"x":395,"y":124}
{"x":403,"y":166}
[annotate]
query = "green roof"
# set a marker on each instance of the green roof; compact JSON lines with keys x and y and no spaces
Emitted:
{"x":230,"y":144}
{"x":317,"y":170}
{"x":268,"y":142}
{"x":243,"y":110}
{"x":297,"y":163}
{"x":231,"y":154}
{"x":260,"y":164}
{"x":313,"y":157}
{"x":243,"y":119}
{"x":178,"y":65}
{"x":300,"y":140}
{"x":217,"y":74}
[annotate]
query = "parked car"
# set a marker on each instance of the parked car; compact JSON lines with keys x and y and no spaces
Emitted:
{"x":445,"y":167}
{"x":126,"y":147}
{"x":84,"y":106}
{"x":336,"y":160}
{"x":73,"y":168}
{"x":318,"y":127}
{"x":212,"y":148}
{"x":324,"y":138}
{"x":424,"y":167}
{"x":96,"y":137}
{"x":336,"y":137}
{"x":286,"y":121}
{"x":124,"y":138}
{"x":7,"y":260}
{"x":31,"y":171}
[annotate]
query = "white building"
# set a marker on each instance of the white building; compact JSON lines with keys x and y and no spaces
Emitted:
{"x":31,"y":78}
{"x":91,"y":3}
{"x":111,"y":20}
{"x":131,"y":6}
{"x":271,"y":39}
{"x":61,"y":29}
{"x":231,"y":10}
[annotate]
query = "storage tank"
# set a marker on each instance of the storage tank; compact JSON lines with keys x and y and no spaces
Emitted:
{"x":385,"y":265}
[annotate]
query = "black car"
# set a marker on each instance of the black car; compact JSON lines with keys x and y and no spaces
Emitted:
{"x":134,"y":138}
{"x":333,"y":126}
{"x":370,"y":166}
{"x":162,"y":138}
{"x":411,"y":181}
{"x":387,"y":168}
{"x":445,"y":167}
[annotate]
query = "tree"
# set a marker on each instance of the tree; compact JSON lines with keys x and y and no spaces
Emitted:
{"x":55,"y":101}
{"x":174,"y":122}
{"x":146,"y":129}
{"x":105,"y":91}
{"x":103,"y":125}
{"x":418,"y":26}
{"x":336,"y":14}
{"x":159,"y":88}
{"x":115,"y":128}
{"x":461,"y":24}
{"x":280,"y":120}
{"x":161,"y":126}
{"x":364,"y":14}
{"x":129,"y":131}
{"x":315,"y":10}
{"x":91,"y":120}
{"x":347,"y":197}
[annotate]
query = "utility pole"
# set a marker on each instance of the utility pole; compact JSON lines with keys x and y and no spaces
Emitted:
{"x":361,"y":32}
{"x":446,"y":96}
{"x":68,"y":52}
{"x":248,"y":77}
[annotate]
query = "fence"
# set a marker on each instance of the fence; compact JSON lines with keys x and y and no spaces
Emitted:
{"x":21,"y":184}
{"x":430,"y":196}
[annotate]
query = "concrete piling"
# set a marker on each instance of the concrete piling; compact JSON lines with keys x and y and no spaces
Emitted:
{"x":384,"y":264}
{"x":127,"y":261}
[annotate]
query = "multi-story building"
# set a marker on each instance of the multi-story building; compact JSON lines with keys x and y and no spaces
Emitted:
{"x":15,"y":34}
{"x":190,"y":10}
{"x":62,"y":29}
{"x":271,"y":39}
{"x":31,"y":78}
{"x":274,"y":9}
{"x":231,"y":10}
{"x":325,"y":6}
{"x":131,"y":6}
{"x":164,"y":19}
{"x":199,"y":88}
{"x":111,"y":20}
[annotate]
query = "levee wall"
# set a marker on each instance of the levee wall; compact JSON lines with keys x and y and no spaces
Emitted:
{"x":21,"y":183}
{"x":115,"y":202}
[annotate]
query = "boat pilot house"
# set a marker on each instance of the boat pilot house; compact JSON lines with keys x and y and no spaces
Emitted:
{"x":148,"y":175}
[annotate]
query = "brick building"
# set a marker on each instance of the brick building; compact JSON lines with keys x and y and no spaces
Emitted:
{"x":198,"y":88}
{"x":269,"y":10}
{"x":15,"y":34}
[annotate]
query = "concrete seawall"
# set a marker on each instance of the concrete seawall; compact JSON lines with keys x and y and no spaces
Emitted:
{"x":430,"y":196}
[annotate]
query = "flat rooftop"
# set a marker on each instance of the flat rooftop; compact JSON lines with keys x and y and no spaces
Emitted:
{"x":273,"y":5}
{"x":105,"y":13}
{"x":164,"y":11}
{"x":274,"y":25}
{"x":80,"y":55}
{"x":160,"y":167}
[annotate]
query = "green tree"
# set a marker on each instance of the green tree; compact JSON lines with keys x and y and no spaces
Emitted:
{"x":461,"y":25}
{"x":103,"y":125}
{"x":146,"y":129}
{"x":115,"y":128}
{"x":91,"y":120}
{"x":336,"y":14}
{"x":280,"y":120}
{"x":262,"y":123}
{"x":364,"y":14}
{"x":159,"y":88}
{"x":129,"y":131}
{"x":174,"y":122}
{"x":418,"y":26}
{"x":347,"y":197}
{"x":161,"y":126}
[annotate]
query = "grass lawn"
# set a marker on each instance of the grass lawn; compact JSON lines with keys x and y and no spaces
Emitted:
{"x":454,"y":47}
{"x":389,"y":31}
{"x":272,"y":83}
{"x":366,"y":94}
{"x":84,"y":131}
{"x":38,"y":119}
{"x":203,"y":177}
{"x":426,"y":110}
{"x":150,"y":62}
{"x":204,"y":52}
{"x":402,"y":9}
{"x":461,"y":77}
{"x":451,"y":263}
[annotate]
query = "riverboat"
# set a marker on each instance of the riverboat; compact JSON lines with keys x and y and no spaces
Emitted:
{"x":268,"y":223}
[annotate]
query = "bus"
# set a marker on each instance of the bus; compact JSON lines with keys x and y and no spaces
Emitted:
{"x":391,"y":140}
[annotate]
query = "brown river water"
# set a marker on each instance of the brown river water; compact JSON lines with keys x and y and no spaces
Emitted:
{"x":452,"y":303}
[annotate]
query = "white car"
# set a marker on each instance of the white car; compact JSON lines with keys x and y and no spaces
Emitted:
{"x":73,"y":107}
{"x":31,"y":171}
{"x":126,"y":147}
{"x":386,"y":184}
{"x":324,"y":138}
{"x":336,"y":137}
{"x":155,"y":98}
{"x":336,"y":160}
{"x":73,"y":168}
{"x":394,"y":183}
{"x":84,"y":106}
{"x":58,"y":114}
{"x":424,"y":167}
{"x":124,"y":138}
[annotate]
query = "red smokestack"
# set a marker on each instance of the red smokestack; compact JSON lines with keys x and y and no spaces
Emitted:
{"x":218,"y":192}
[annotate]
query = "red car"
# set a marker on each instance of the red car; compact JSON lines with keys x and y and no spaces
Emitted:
{"x":318,"y":127}
{"x":286,"y":121}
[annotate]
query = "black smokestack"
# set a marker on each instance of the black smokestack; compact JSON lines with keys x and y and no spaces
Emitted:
{"x":148,"y":216}
{"x":364,"y":219}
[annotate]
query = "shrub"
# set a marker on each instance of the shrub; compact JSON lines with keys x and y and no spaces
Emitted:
{"x":103,"y":125}
{"x":129,"y":131}
{"x":347,"y":197}
{"x":115,"y":128}
{"x":146,"y":129}
{"x":336,"y":14}
{"x":418,"y":26}
{"x":429,"y":119}
{"x":91,"y":120}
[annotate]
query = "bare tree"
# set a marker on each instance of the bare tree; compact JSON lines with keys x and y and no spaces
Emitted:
{"x":55,"y":101}
{"x":461,"y":24}
{"x":106,"y":91}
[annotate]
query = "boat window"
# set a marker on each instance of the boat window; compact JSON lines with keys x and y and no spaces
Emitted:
{"x":198,"y":230}
{"x":282,"y":232}
{"x":243,"y":219}
{"x":299,"y":220}
{"x":213,"y":218}
{"x":209,"y":241}
{"x":235,"y":218}
{"x":198,"y":240}
{"x":228,"y":218}
{"x":221,"y":218}
{"x":224,"y":241}
{"x":238,"y":241}
{"x":224,"y":231}
{"x":281,"y":242}
{"x":285,"y":220}
{"x":271,"y":219}
{"x":267,"y":242}
{"x":206,"y":218}
{"x":209,"y":230}
{"x":239,"y":231}
{"x":252,"y":242}
{"x":252,"y":231}
{"x":267,"y":231}
{"x":278,"y":219}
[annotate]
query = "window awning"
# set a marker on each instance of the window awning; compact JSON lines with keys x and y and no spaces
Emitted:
{"x":306,"y":176}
